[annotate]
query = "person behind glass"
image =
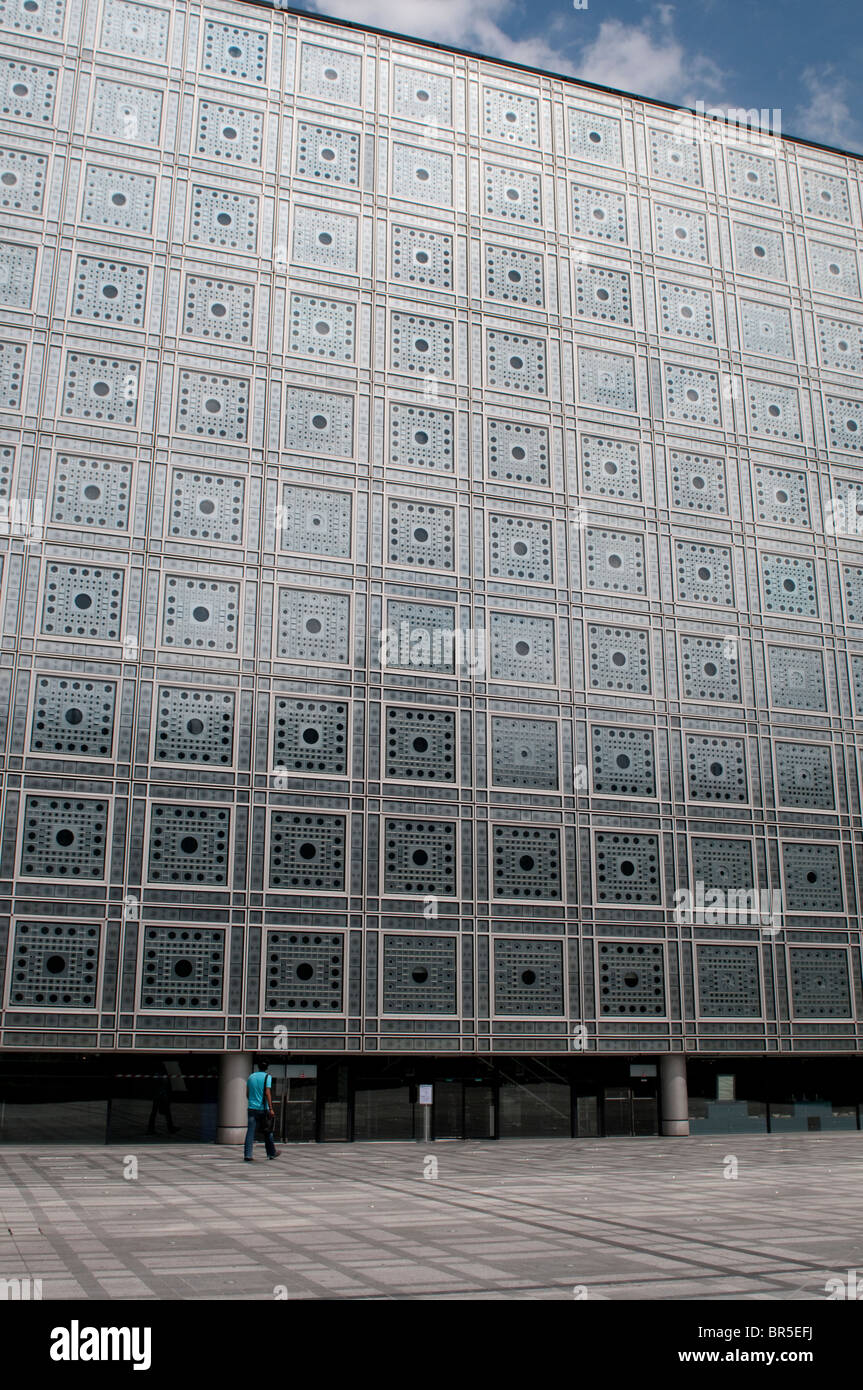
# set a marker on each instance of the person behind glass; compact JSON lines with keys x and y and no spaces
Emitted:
{"x":260,"y":1104}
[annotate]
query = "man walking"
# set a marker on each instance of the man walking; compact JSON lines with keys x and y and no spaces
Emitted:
{"x":260,"y":1111}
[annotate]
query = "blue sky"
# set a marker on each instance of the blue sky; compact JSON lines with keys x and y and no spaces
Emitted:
{"x":803,"y":56}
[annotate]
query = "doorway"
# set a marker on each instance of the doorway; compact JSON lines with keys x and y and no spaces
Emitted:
{"x":463,"y":1110}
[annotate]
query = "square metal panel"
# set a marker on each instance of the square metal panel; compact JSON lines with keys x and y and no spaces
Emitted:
{"x":311,"y":736}
{"x":520,"y":548}
{"x":692,"y":395}
{"x":619,"y":659}
{"x":716,"y":768}
{"x":82,"y":601}
{"x":422,"y":437}
{"x":686,"y":313}
{"x":514,"y":276}
{"x":64,"y":837}
{"x":753,"y":177}
{"x":528,"y":978}
{"x":315,"y":521}
{"x":189,"y":844}
{"x":422,"y":176}
{"x":223,"y":218}
{"x":420,"y":974}
{"x":420,"y":637}
{"x":422,"y":96}
{"x":623,"y":761}
{"x":303,"y":972}
{"x":182,"y":968}
{"x":322,"y":328}
{"x":229,"y":134}
{"x":674,"y":157}
{"x":710,"y":668}
{"x":125,"y":112}
{"x":205,"y":506}
{"x":698,"y":482}
{"x":200,"y":614}
{"x":681,"y":234}
{"x":72,"y":716}
{"x":325,"y":239}
{"x":518,"y":453}
{"x":594,"y":138}
{"x":91,"y":492}
{"x":136,"y":31}
{"x":331,"y":74}
{"x":328,"y":155}
{"x":194,"y":726}
{"x":820,"y":985}
{"x":526,"y":862}
{"x":812,"y":877}
{"x":54,"y":965}
{"x":628,"y":868}
{"x":314,"y":626}
{"x":219,"y":311}
{"x":23,"y":178}
{"x":522,"y":648}
{"x":513,"y":195}
{"x":804,"y":775}
{"x":610,"y":467}
{"x":111,"y":292}
{"x":27,"y":92}
{"x":599,"y":214}
{"x":606,"y":380}
{"x":512,"y":117}
{"x":515,"y":362}
{"x":781,"y":496}
{"x":319,"y":422}
{"x":524,"y":753}
{"x":789,"y":585}
{"x":422,"y":257}
{"x":797,"y":678}
{"x":232,"y":52}
{"x":421,"y":535}
{"x":704,"y":573}
{"x":307,"y":851}
{"x":422,"y":346}
{"x":17,"y":274}
{"x":121,"y":201}
{"x":420,"y":857}
{"x":603,"y":295}
{"x":103,"y":389}
{"x":614,"y":561}
{"x":729,"y":982}
{"x":212,"y":406}
{"x":420,"y":744}
{"x":721,"y":862}
{"x":631,"y":979}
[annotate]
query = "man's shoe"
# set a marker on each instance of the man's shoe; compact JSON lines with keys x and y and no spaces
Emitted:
{"x":274,"y":1155}
{"x":248,"y":1160}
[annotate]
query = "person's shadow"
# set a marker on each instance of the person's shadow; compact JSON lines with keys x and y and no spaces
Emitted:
{"x":162,"y":1096}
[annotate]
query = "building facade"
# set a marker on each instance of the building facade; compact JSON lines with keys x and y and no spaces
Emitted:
{"x":432,"y":607}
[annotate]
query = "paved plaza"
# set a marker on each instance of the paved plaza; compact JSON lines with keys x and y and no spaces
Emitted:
{"x":518,"y":1219}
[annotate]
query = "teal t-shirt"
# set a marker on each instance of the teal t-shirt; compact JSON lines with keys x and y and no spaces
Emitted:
{"x":255,"y":1087}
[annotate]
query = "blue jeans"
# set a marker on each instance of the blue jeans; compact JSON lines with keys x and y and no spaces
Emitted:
{"x":254,"y":1117}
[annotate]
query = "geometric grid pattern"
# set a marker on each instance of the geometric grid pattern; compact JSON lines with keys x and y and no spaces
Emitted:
{"x":581,"y":402}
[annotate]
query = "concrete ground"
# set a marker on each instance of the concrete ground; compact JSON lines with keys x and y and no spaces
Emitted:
{"x":517,"y":1219}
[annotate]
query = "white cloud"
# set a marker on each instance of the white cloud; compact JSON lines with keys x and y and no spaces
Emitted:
{"x":646,"y":58}
{"x":828,"y":115}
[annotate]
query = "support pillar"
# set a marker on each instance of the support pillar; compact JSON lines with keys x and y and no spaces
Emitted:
{"x":675,"y":1095}
{"x":234,"y":1070}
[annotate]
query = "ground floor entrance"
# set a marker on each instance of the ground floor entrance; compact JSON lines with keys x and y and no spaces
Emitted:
{"x":145,"y":1098}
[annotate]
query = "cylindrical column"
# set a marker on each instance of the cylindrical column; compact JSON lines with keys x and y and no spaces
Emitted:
{"x":675,"y":1096}
{"x":234,"y":1070}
